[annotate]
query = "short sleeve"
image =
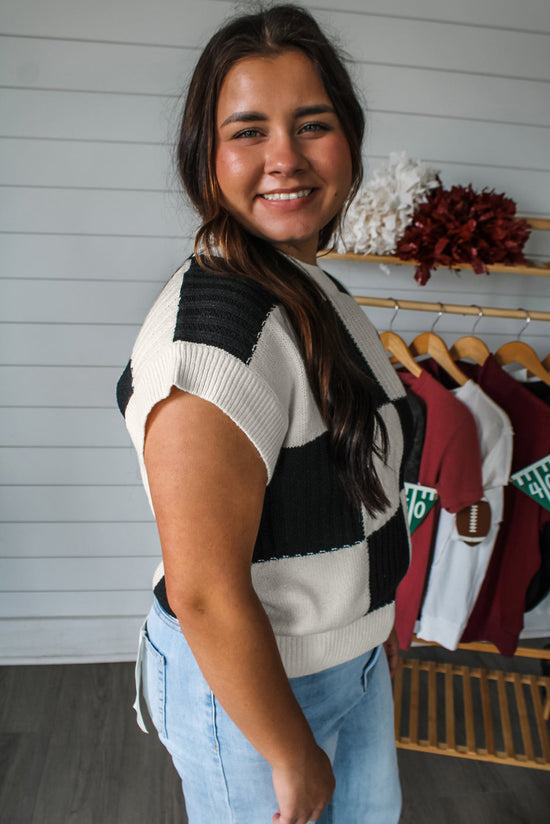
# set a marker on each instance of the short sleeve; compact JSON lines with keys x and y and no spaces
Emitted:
{"x":201,"y":339}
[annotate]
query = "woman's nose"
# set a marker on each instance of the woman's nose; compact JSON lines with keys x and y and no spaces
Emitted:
{"x":283,"y":156}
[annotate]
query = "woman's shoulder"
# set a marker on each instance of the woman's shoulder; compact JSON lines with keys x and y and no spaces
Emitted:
{"x":199,"y":305}
{"x":223,"y":310}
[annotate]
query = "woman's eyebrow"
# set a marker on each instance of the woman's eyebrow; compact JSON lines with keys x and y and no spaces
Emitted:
{"x":319,"y":108}
{"x":254,"y":117}
{"x":244,"y":117}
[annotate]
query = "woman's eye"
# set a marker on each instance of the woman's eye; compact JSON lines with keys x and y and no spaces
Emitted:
{"x":247,"y":133}
{"x":314,"y":127}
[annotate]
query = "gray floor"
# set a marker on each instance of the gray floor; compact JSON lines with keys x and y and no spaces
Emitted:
{"x":71,"y":753}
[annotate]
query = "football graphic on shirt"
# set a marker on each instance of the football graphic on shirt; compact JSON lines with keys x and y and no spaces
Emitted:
{"x":474,"y":522}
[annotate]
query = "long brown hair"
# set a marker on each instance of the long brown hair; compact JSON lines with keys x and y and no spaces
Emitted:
{"x":343,"y":392}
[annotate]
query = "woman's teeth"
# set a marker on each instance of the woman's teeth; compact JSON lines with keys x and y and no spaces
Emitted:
{"x":288,"y":195}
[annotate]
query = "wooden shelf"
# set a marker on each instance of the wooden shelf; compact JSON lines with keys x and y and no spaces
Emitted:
{"x":531,"y":268}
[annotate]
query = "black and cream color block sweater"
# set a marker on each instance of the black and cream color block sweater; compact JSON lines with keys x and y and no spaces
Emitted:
{"x":325,"y":572}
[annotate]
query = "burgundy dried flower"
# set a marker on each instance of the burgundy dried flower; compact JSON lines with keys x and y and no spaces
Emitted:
{"x":458,"y":226}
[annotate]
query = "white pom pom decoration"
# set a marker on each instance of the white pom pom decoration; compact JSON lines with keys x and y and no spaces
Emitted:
{"x":382,"y":209}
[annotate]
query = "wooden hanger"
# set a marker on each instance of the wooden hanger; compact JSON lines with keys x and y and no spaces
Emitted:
{"x":516,"y":351}
{"x":471,"y":347}
{"x":396,"y":346}
{"x":546,"y":363}
{"x":428,"y":343}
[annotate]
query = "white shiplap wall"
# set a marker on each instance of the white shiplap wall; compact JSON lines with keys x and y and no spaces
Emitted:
{"x":91,"y":225}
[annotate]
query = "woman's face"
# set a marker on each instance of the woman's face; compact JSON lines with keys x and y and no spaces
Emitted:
{"x":283,"y":163}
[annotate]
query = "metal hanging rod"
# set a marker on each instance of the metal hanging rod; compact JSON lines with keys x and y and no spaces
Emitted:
{"x":452,"y":308}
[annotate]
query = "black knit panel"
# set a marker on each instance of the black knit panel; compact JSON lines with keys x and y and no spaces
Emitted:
{"x":378,"y":393}
{"x":305,"y":509}
{"x":388,"y":560}
{"x":223,"y":311}
{"x":403,"y":409}
{"x":125,"y":388}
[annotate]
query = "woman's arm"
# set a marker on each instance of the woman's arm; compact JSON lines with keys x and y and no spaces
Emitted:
{"x":207,"y":484}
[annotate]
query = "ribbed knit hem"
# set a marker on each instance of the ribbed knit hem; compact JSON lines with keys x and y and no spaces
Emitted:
{"x":307,"y":654}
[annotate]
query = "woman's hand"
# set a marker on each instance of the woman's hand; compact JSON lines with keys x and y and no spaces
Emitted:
{"x":391,"y":647}
{"x":303,"y":789}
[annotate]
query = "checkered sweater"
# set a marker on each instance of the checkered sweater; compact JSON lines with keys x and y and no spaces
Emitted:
{"x":325,"y":571}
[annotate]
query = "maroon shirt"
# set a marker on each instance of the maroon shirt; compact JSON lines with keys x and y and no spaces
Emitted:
{"x":451,"y":463}
{"x":498,"y":612}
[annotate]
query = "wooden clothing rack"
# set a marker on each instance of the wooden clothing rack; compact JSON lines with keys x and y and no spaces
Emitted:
{"x":505,"y":714}
{"x":451,"y":308}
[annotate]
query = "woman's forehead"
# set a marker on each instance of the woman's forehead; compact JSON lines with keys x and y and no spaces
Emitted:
{"x":266,"y":80}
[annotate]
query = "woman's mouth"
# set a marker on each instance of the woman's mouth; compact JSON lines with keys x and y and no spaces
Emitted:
{"x":287,"y":195}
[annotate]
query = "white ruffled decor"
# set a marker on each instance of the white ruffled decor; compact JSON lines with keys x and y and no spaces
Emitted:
{"x":383,"y":208}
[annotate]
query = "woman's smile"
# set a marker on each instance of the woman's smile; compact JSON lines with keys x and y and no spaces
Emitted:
{"x":283,"y":163}
{"x":286,"y":196}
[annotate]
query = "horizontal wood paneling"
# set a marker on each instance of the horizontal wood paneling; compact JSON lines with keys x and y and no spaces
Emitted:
{"x":82,"y":301}
{"x":77,"y":257}
{"x":57,"y":604}
{"x":85,"y":347}
{"x":52,"y":640}
{"x":45,"y":540}
{"x":85,"y":164}
{"x":172,"y":19}
{"x":69,"y":466}
{"x":443,"y":94}
{"x":129,"y":21}
{"x":87,"y":211}
{"x":76,"y":574}
{"x":531,"y":15}
{"x":442,"y":45}
{"x":62,"y":427}
{"x":377,"y":38}
{"x":107,"y":67}
{"x":73,"y":386}
{"x":465,"y":142}
{"x":84,"y":116}
{"x":75,"y":503}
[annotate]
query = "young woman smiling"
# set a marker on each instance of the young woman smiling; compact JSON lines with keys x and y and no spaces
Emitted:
{"x":270,"y":431}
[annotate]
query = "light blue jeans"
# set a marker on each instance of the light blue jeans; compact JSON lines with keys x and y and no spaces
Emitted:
{"x":225,"y":780}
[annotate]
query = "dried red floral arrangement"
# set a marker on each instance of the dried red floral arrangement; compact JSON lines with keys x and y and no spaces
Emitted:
{"x":458,"y":226}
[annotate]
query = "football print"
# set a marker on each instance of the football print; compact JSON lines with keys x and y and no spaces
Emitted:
{"x":474,"y":522}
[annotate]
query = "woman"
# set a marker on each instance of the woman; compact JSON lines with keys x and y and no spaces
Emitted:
{"x":269,"y":428}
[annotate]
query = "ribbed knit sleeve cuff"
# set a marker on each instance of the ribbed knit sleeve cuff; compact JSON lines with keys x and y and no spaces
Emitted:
{"x":218,"y":377}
